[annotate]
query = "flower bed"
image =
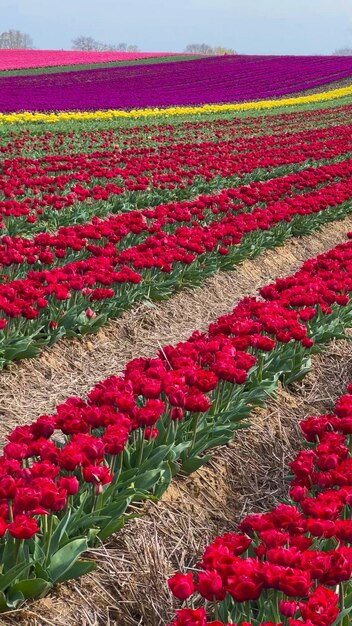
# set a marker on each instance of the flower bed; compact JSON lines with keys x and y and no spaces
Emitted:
{"x":32,"y":189}
{"x":20,"y":59}
{"x":102,"y":136}
{"x":79,"y":296}
{"x":71,"y":282}
{"x":299,"y":190}
{"x":292,"y":565}
{"x":67,"y":479}
{"x":202,"y":81}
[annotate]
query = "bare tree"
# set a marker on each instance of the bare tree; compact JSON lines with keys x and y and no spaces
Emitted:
{"x":15,"y":40}
{"x":204,"y":48}
{"x":343,"y":52}
{"x":84,"y":43}
{"x":88,"y":43}
{"x":105,"y":47}
{"x":199,"y":48}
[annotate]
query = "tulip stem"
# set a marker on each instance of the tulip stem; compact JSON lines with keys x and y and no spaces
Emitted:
{"x":342,"y":604}
{"x":18,"y":543}
{"x":141,"y":450}
{"x":168,"y":431}
{"x":118,"y":469}
{"x":49,"y":534}
{"x":277,"y":609}
{"x":113,"y":464}
{"x":216,"y":608}
{"x":45,"y":525}
{"x":194,"y":425}
{"x":10,"y":510}
{"x":248,"y":610}
{"x":116,"y":475}
{"x":175,"y":428}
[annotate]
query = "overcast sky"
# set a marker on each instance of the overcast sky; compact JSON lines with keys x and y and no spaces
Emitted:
{"x":248,"y":26}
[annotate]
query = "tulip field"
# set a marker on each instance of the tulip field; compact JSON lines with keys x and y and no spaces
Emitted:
{"x":207,"y":80}
{"x":34,"y":59}
{"x":128,"y":181}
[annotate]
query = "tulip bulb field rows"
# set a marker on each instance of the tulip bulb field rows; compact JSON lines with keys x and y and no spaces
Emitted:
{"x":168,"y":218}
{"x":99,"y":212}
{"x":67,"y":479}
{"x":209,"y":80}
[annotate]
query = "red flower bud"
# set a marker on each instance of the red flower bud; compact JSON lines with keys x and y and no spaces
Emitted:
{"x":70,"y":484}
{"x":181,"y":585}
{"x":210,"y":586}
{"x":23,"y":527}
{"x":288,"y":609}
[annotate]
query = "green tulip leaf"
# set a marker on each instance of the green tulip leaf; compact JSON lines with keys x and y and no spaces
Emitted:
{"x":65,"y":557}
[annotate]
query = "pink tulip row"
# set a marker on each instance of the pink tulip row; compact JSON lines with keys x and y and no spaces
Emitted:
{"x":21,"y":59}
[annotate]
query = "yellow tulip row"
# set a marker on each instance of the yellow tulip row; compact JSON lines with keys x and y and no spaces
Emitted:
{"x":171,"y":111}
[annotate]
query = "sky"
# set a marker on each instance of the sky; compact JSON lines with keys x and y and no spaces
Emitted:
{"x":247,"y":26}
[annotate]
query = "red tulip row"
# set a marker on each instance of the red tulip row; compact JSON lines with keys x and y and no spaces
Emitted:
{"x":26,"y":143}
{"x":80,"y":241}
{"x":34,"y":187}
{"x":292,"y":565}
{"x":81,"y":294}
{"x":68,"y":478}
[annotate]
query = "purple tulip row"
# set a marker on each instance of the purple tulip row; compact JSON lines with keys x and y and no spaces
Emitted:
{"x":208,"y":80}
